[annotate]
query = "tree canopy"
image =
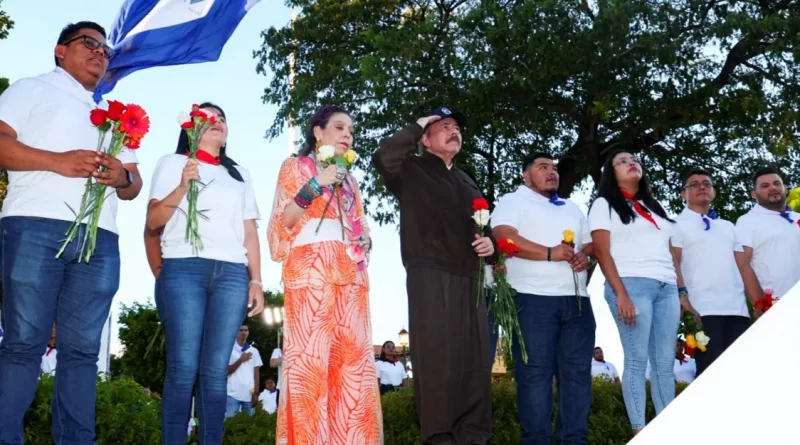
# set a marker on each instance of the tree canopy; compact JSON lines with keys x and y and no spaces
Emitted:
{"x":682,"y":83}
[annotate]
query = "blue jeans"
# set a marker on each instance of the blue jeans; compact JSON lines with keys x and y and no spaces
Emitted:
{"x":202,"y":304}
{"x":234,"y":406}
{"x":559,"y":341}
{"x":38,"y":290}
{"x":654,"y":336}
{"x":493,"y":332}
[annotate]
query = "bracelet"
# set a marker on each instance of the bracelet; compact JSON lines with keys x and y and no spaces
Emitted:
{"x":256,"y":283}
{"x":306,"y":195}
{"x":549,"y":252}
{"x":683,"y":292}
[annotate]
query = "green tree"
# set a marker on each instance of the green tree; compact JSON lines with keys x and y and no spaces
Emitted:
{"x":142,"y":336}
{"x":683,"y":83}
{"x":6,"y":24}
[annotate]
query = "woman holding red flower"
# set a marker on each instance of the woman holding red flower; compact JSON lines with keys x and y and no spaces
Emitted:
{"x":202,"y":298}
{"x":631,"y":236}
{"x":318,"y":231}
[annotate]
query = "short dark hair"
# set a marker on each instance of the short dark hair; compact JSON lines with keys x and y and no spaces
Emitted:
{"x":598,"y":347}
{"x":768,"y":170}
{"x":531,"y":158}
{"x":697,"y":171}
{"x":71,"y":31}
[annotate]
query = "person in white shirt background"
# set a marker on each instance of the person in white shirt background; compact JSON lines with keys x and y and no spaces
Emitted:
{"x":47,"y":144}
{"x":276,"y":361}
{"x":243,"y":377}
{"x":709,"y":283}
{"x":557,"y":326}
{"x":391,"y":372}
{"x":770,"y":236}
{"x":269,"y":396}
{"x":631,"y":234}
{"x":600,"y":367}
{"x":685,"y":367}
{"x":49,"y":358}
{"x":202,"y":298}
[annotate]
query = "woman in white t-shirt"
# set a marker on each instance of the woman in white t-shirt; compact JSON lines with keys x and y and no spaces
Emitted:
{"x":391,"y":372}
{"x":202,"y":298}
{"x":631,"y":233}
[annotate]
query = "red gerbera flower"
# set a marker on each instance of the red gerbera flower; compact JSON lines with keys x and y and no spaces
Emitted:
{"x":135,"y":122}
{"x":98,"y":116}
{"x":115,"y":110}
{"x":480,"y":204}
{"x":506,"y":246}
{"x":132,"y":143}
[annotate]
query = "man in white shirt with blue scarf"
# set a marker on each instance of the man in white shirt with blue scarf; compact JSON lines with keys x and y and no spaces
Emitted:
{"x":47,"y":144}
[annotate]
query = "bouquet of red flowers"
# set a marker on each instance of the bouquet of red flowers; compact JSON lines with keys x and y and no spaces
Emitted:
{"x":504,"y":305}
{"x":195,"y":124}
{"x":764,"y":303}
{"x":128,"y":124}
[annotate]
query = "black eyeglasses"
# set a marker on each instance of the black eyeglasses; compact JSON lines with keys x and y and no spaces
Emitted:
{"x":92,"y":44}
{"x":695,"y":184}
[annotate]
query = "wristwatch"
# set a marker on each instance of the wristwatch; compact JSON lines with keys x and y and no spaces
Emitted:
{"x":128,"y":177}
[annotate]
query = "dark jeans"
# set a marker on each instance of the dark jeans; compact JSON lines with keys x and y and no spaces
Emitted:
{"x":725,"y":331}
{"x":38,"y":290}
{"x":493,"y":331}
{"x":559,"y":342}
{"x":202,"y":304}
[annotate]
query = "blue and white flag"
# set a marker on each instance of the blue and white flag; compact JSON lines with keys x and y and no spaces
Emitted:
{"x":150,"y":33}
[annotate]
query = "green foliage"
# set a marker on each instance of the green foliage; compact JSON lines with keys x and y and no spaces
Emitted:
{"x":245,"y":430}
{"x":142,"y":336}
{"x":682,"y":83}
{"x":125,"y":414}
{"x":3,"y":84}
{"x":144,"y":341}
{"x":6,"y":24}
{"x":608,"y":420}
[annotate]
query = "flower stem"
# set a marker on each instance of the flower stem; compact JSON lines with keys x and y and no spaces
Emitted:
{"x":324,"y":211}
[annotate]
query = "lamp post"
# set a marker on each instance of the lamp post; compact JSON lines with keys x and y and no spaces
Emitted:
{"x":273,"y":316}
{"x":403,"y":337}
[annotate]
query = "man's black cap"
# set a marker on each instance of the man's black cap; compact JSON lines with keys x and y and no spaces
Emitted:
{"x":445,"y":112}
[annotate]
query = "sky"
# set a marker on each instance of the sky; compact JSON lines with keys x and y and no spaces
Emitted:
{"x":232,"y":83}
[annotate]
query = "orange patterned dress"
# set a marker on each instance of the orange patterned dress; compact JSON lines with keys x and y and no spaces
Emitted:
{"x":329,"y":391}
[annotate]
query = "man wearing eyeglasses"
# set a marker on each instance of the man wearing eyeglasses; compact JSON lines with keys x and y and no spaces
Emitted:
{"x":47,"y":145}
{"x":709,"y":283}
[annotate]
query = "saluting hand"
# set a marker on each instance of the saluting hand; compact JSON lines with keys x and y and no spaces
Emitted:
{"x":483,"y":246}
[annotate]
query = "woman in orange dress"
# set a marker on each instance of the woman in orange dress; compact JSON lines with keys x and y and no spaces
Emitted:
{"x":328,"y":389}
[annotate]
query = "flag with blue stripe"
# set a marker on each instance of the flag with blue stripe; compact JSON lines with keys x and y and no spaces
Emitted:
{"x":148,"y":33}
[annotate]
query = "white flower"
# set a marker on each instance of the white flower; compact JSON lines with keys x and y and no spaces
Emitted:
{"x":183,"y":117}
{"x":481,"y":217}
{"x":326,"y":152}
{"x":702,"y":338}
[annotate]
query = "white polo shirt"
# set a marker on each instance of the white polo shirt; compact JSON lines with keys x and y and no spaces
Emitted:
{"x":51,"y":112}
{"x":708,"y":264}
{"x":391,"y":373}
{"x":241,"y":382}
{"x":683,"y":371}
{"x":269,"y":401}
{"x":277,"y":353}
{"x":49,"y":361}
{"x":639,"y":248}
{"x":541,"y":222}
{"x":229,"y":203}
{"x":776,"y":247}
{"x":604,"y":368}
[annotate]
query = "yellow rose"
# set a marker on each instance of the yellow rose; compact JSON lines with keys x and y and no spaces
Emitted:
{"x":690,"y":341}
{"x":350,"y":156}
{"x":701,"y":348}
{"x":569,"y":236}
